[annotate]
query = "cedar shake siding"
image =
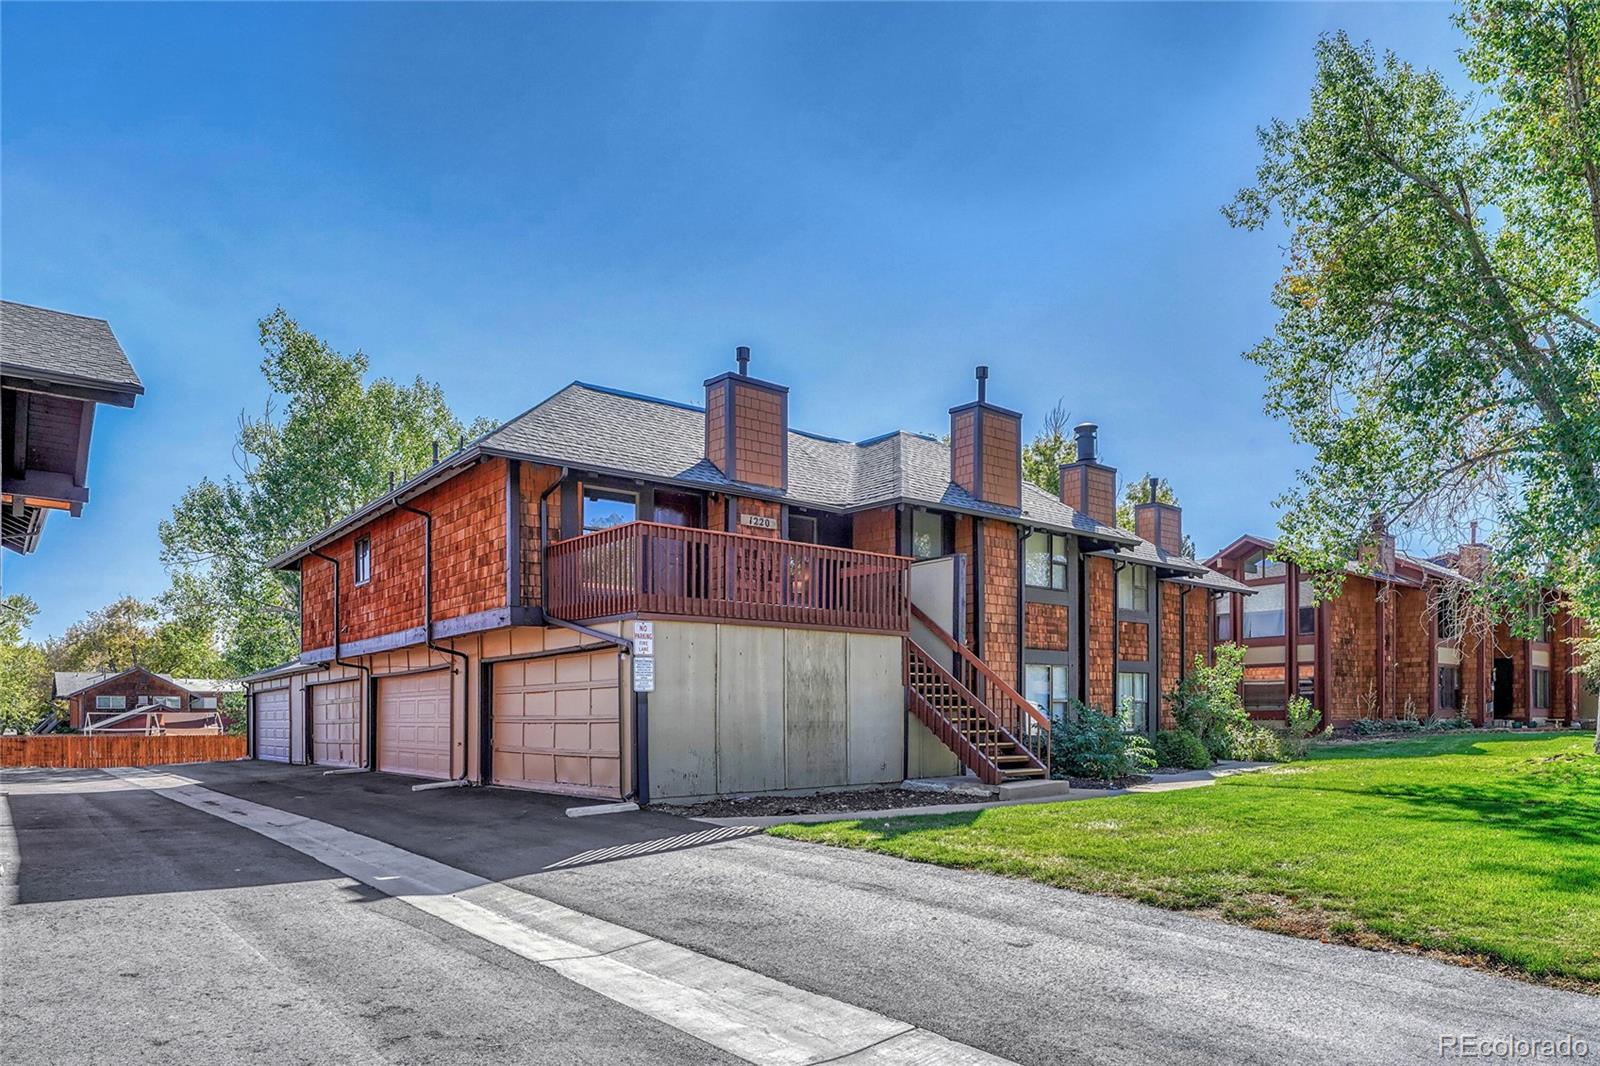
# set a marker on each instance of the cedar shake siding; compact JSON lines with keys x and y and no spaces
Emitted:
{"x":1001,"y":637}
{"x":874,"y":531}
{"x":1102,"y":604}
{"x":1046,"y":626}
{"x":469,"y":564}
{"x":747,"y":429}
{"x":986,"y":453}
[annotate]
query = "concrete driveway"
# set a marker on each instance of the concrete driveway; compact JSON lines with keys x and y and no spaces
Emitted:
{"x":252,"y":912}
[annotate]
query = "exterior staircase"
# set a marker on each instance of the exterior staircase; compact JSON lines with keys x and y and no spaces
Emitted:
{"x":994,"y":731}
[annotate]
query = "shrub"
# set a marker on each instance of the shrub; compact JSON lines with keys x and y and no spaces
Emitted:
{"x":1087,"y":742}
{"x":1141,"y":755}
{"x":1179,"y":747}
{"x":1206,"y":702}
{"x":1302,"y":720}
{"x":1257,"y":743}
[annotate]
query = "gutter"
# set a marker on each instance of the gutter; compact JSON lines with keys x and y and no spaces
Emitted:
{"x":366,"y":670}
{"x":427,"y":621}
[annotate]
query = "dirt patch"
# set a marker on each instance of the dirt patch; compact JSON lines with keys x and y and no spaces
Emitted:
{"x":869,"y":799}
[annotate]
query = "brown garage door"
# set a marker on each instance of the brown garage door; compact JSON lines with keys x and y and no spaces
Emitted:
{"x":271,"y":724}
{"x":414,"y":724}
{"x":556,"y":724}
{"x":335,"y":723}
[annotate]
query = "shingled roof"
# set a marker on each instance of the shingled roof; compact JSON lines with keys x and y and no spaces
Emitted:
{"x":64,"y":349}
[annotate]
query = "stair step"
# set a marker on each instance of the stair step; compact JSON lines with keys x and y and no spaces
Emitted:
{"x":1031,"y":771}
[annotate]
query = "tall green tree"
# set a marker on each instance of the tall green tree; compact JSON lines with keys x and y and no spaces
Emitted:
{"x":1051,"y":447}
{"x":24,"y":672}
{"x":175,"y":634}
{"x":1437,"y":343}
{"x":326,"y":443}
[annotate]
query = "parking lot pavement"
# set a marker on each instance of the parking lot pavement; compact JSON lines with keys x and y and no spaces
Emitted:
{"x":1019,"y":970}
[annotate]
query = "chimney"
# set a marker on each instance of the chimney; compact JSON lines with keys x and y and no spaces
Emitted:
{"x":1380,"y":553}
{"x":1159,"y":523}
{"x":1087,"y":486}
{"x":747,"y":426}
{"x":986,"y":448}
{"x":1473,"y":558}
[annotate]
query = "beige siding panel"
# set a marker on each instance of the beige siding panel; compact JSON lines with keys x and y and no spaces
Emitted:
{"x":414,"y":719}
{"x":557,"y":724}
{"x":336,"y":723}
{"x":271,"y":724}
{"x":683,"y":710}
{"x":877,"y":707}
{"x":927,"y":754}
{"x":750,"y":731}
{"x":816,"y":708}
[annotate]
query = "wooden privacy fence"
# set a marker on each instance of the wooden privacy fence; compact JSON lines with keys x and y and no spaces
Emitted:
{"x":101,"y":751}
{"x":649,"y":568}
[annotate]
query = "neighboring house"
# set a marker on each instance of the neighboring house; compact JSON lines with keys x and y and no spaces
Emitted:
{"x":1390,"y":644}
{"x":95,"y":696}
{"x":822,"y":612}
{"x":54,"y":369}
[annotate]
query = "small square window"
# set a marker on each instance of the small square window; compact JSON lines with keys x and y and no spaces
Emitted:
{"x":932,"y":534}
{"x":1045,"y":560}
{"x":363,"y":560}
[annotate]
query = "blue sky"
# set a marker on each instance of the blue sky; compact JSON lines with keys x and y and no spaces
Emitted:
{"x":505,"y":198}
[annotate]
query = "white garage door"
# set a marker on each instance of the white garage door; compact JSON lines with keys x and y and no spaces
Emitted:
{"x":336,"y":723}
{"x":414,"y":724}
{"x":271,"y":724}
{"x":556,"y":724}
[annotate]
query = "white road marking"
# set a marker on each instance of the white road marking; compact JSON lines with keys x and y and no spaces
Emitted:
{"x":747,"y":1014}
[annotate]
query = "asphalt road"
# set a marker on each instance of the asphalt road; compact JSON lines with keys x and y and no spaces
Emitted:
{"x":146,"y":931}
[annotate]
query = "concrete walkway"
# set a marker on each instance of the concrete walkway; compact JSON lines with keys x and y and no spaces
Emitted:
{"x":1161,"y":783}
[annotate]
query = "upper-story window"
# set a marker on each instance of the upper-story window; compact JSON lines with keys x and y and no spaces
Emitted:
{"x":363,"y":560}
{"x":1449,"y":617}
{"x":110,"y":703}
{"x":1133,"y":588}
{"x":1258,"y":567}
{"x":1307,"y":610}
{"x":1225,"y":617}
{"x":1263,"y":612}
{"x":203,"y":703}
{"x":174,"y":703}
{"x":1045,"y":560}
{"x":932,"y":534}
{"x":604,"y":508}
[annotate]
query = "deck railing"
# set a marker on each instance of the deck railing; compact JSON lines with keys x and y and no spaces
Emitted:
{"x":655,"y":569}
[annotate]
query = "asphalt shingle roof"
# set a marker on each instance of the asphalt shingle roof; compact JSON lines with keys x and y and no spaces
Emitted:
{"x":64,"y":348}
{"x":70,"y":682}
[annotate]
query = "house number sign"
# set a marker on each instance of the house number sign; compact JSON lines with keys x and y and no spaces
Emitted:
{"x":758,"y":521}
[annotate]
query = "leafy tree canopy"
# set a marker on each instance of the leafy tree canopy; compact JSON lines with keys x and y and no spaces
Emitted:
{"x":1137,"y":492}
{"x":1050,"y":448}
{"x":24,"y":673}
{"x":325,"y":445}
{"x":1437,"y":339}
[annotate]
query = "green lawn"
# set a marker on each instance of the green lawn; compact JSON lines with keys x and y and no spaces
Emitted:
{"x":1481,"y":847}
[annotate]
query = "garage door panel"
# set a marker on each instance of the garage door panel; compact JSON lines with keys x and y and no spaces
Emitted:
{"x":271,"y":725}
{"x":414,"y":720}
{"x":335,"y":723}
{"x":556,"y":723}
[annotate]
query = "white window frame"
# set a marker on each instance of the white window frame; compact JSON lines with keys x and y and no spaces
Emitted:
{"x":111,"y":703}
{"x":363,"y":561}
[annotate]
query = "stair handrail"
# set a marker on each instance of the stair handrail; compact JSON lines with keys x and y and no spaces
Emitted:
{"x":1020,"y":701}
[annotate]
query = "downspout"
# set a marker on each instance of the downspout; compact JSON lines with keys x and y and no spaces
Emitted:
{"x":1022,"y":606}
{"x":427,"y":625}
{"x":1183,"y":630}
{"x":641,"y":705}
{"x":1117,"y":567}
{"x":365,"y":670}
{"x":1082,"y":628}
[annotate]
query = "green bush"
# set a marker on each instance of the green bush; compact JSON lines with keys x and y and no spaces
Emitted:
{"x":1257,"y":743}
{"x":1179,"y":747}
{"x":1141,"y":756}
{"x":1087,"y":742}
{"x":1206,"y":701}
{"x":1302,"y":720}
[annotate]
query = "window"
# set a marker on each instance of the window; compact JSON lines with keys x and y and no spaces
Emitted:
{"x":1046,"y":687}
{"x":172,"y":703}
{"x":1449,"y":619}
{"x":1045,"y":560}
{"x":803,"y":528}
{"x":1263,"y":612}
{"x":1258,"y":566}
{"x":1308,"y":609}
{"x":932,"y":534}
{"x":1225,"y":616}
{"x":203,"y":703}
{"x":1133,"y":701}
{"x":1133,"y":588}
{"x":1541,"y":689}
{"x":605,"y":508}
{"x":1450,"y":688}
{"x":110,"y":703}
{"x":363,"y":560}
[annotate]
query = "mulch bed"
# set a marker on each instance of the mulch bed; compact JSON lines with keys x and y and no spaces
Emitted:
{"x":868,"y":799}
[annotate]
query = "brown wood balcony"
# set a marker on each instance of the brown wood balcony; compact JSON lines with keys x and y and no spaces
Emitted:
{"x":646,"y":568}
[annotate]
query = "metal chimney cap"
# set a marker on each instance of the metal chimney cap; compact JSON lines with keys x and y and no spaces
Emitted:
{"x":741,"y":355}
{"x":1088,"y":435}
